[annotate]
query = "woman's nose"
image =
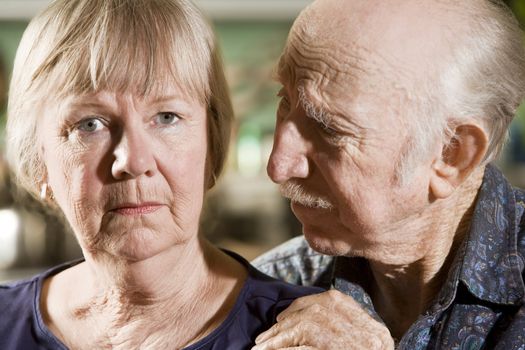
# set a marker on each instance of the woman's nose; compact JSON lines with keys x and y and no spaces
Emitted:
{"x":288,"y":159}
{"x":133,"y":155}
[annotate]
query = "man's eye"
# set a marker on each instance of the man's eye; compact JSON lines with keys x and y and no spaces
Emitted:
{"x":327,"y":129}
{"x":166,"y":118}
{"x":90,"y":125}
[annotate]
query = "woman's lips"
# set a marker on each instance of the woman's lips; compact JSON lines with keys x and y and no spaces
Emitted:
{"x":134,"y":210}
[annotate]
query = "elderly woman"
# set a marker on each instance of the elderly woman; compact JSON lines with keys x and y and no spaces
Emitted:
{"x":119,"y":117}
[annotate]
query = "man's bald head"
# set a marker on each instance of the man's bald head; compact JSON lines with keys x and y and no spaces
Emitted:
{"x":412,"y":32}
{"x":451,"y":59}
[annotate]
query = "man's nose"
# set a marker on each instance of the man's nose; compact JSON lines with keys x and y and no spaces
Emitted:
{"x":288,"y":159}
{"x":133,"y":155}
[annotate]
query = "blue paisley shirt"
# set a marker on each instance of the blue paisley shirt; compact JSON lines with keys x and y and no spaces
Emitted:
{"x":481,"y":304}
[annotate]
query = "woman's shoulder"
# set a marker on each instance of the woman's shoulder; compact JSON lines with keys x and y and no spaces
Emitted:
{"x":263,"y":289}
{"x":265,"y":285}
{"x":17,"y":300}
{"x":25,"y":289}
{"x":16,"y":295}
{"x":261,"y":299}
{"x":21,"y":325}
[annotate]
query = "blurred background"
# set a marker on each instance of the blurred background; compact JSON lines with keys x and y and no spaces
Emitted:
{"x":245,"y":212}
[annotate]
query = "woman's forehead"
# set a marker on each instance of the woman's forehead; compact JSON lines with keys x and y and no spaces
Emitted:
{"x":150,"y":92}
{"x":112,"y":99}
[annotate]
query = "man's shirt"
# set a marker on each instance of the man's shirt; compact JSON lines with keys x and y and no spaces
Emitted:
{"x":480,"y":305}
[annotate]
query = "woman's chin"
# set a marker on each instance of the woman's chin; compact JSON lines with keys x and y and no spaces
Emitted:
{"x":136,"y":245}
{"x":137,"y":252}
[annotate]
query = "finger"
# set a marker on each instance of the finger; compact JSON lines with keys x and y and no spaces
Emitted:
{"x":282,"y":340}
{"x":277,"y":328}
{"x":298,"y":305}
{"x":330,"y":300}
{"x":311,"y":312}
{"x":317,"y":326}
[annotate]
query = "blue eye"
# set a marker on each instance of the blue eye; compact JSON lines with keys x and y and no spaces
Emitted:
{"x":90,"y":125}
{"x":166,"y":118}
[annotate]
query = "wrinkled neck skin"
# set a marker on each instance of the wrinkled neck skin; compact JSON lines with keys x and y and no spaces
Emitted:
{"x":167,"y":301}
{"x":401,"y":293}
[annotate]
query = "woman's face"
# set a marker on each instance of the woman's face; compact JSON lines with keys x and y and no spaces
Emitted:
{"x":129,"y":173}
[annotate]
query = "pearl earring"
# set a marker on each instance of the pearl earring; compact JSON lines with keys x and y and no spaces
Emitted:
{"x":43,"y":191}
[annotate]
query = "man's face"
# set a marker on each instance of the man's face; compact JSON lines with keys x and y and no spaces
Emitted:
{"x":341,"y":135}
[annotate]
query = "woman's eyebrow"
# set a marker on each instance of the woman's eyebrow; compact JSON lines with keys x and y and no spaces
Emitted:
{"x":168,"y":98}
{"x":88,"y":104}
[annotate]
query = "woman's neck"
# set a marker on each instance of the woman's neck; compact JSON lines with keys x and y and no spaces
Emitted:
{"x":167,"y":301}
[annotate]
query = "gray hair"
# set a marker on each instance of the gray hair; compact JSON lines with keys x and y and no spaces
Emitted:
{"x":488,"y":79}
{"x":482,"y":78}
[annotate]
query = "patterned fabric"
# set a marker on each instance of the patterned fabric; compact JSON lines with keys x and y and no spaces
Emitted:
{"x":482,"y":303}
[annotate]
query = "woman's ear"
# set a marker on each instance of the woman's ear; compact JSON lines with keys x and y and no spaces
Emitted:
{"x":210,"y":178}
{"x":462,"y":155}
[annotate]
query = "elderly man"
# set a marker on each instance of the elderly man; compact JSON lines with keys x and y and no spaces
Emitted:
{"x":390,"y":113}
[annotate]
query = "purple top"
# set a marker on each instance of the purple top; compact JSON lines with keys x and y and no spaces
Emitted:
{"x":261,"y":299}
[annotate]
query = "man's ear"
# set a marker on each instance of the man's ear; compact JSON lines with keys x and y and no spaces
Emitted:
{"x":464,"y":152}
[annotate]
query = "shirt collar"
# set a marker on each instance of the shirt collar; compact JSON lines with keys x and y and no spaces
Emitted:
{"x":487,"y":262}
{"x":491,"y":267}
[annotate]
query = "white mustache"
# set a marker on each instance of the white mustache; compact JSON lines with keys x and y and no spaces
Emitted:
{"x":297,"y":194}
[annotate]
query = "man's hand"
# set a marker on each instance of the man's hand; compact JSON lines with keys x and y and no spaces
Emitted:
{"x":330,"y":320}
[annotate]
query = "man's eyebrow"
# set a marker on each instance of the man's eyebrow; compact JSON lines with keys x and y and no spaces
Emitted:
{"x":318,"y":113}
{"x":275,"y":75}
{"x":281,"y":70}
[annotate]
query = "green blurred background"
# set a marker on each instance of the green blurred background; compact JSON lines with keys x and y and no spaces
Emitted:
{"x":245,"y":212}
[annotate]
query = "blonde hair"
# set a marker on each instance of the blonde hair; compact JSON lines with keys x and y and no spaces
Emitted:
{"x":76,"y":47}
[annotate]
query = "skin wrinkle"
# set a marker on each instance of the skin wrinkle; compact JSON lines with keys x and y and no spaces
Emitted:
{"x":306,"y":103}
{"x":321,"y":115}
{"x":302,"y":61}
{"x":128,"y":323}
{"x":327,"y":77}
{"x":353,"y":65}
{"x":100,"y":242}
{"x":128,"y":320}
{"x":353,"y":134}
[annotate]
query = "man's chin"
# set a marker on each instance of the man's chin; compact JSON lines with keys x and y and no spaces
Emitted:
{"x":323,"y":243}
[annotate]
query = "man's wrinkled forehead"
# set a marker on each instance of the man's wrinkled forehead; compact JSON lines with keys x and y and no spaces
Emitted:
{"x":394,"y":39}
{"x":327,"y":64}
